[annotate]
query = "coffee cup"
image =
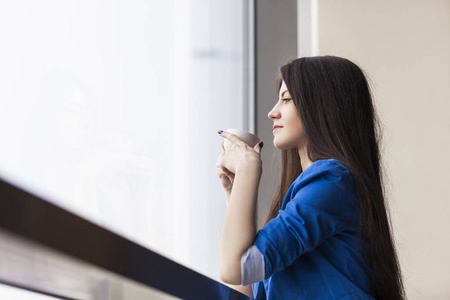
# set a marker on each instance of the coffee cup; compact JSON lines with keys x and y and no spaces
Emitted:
{"x":247,"y":137}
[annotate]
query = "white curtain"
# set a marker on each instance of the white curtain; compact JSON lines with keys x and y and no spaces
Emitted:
{"x":110,"y":109}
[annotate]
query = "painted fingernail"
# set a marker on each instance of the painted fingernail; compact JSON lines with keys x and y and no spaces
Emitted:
{"x":220,"y":131}
{"x":261,"y":144}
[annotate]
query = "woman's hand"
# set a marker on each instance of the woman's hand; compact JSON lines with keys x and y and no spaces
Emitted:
{"x":239,"y":156}
{"x":226,"y":177}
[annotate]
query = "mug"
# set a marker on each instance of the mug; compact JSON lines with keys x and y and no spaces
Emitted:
{"x":247,"y":137}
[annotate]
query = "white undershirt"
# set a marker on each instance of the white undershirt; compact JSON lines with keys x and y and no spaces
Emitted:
{"x":252,"y":266}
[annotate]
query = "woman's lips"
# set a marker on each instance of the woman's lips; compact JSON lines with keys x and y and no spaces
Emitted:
{"x":276,"y":128}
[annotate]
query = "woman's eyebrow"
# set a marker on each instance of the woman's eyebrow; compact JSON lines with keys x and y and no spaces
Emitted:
{"x":282,"y":94}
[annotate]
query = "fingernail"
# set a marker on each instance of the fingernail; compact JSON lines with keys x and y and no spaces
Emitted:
{"x":261,"y":144}
{"x":220,"y":131}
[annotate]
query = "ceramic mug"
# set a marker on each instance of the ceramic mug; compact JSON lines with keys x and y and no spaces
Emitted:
{"x":247,"y":137}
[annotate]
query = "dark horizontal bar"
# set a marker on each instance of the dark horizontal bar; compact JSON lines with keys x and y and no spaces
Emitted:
{"x":37,"y":220}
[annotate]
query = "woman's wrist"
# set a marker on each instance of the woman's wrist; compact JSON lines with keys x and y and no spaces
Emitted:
{"x":250,"y":166}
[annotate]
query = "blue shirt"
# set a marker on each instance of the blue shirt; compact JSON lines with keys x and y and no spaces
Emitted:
{"x":311,"y":250}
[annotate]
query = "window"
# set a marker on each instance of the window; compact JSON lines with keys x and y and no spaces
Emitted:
{"x":110,"y":110}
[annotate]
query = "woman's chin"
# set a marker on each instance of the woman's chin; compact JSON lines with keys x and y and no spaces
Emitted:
{"x":280,"y":146}
{"x":284,"y":146}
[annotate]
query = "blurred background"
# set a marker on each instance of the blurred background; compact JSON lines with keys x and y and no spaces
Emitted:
{"x":110,"y":109}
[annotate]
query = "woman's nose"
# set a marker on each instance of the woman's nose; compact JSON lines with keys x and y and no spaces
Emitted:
{"x":274,"y":113}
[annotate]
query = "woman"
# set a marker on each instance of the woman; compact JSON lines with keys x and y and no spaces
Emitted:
{"x":327,"y":234}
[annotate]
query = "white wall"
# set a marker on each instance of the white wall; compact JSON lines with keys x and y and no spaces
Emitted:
{"x":404,"y":45}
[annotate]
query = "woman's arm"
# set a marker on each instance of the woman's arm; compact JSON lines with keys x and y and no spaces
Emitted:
{"x":239,"y":228}
{"x":244,"y":289}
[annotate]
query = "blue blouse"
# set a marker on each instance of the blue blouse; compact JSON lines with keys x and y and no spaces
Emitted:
{"x":311,"y":250}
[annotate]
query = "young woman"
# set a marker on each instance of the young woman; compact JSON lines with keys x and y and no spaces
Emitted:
{"x":327,"y":234}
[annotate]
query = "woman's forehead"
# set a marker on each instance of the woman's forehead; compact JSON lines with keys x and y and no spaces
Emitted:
{"x":283,"y":88}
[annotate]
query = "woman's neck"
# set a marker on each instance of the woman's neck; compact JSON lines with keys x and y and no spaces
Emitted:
{"x":304,"y":159}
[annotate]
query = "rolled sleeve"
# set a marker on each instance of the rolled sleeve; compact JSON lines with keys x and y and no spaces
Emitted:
{"x":322,"y":204}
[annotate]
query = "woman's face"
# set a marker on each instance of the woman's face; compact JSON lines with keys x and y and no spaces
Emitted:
{"x":284,"y":113}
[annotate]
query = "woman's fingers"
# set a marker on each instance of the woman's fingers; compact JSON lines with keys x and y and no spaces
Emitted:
{"x":222,"y":171}
{"x":222,"y":144}
{"x":258,"y":147}
{"x":225,"y":176}
{"x":231,"y":137}
{"x":229,"y":174}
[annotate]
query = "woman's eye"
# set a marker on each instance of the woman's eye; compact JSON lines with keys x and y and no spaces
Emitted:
{"x":286,"y":99}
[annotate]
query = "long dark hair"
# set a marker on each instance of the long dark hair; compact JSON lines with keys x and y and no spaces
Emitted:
{"x":335,"y":105}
